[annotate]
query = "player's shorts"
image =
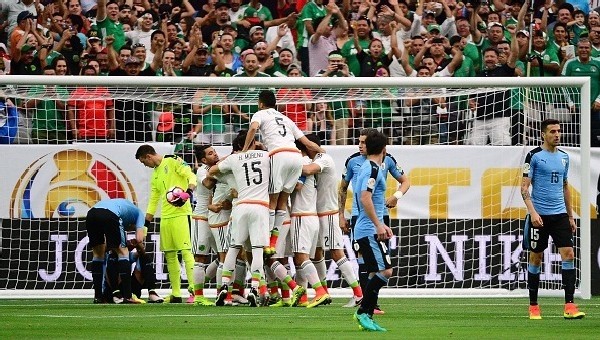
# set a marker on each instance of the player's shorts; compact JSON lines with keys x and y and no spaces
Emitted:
{"x":220,"y":234}
{"x":555,"y":226}
{"x":305,"y":234}
{"x":102,"y":226}
{"x":283,"y":247}
{"x":286,"y":168}
{"x":353,"y":219}
{"x":375,"y":254}
{"x":250,"y":221}
{"x":175,"y":233}
{"x":202,"y":237}
{"x":330,"y":233}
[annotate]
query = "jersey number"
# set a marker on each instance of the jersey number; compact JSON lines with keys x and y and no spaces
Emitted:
{"x":254,"y":167}
{"x":279,"y":122}
{"x":534,"y":236}
{"x":554,"y":177}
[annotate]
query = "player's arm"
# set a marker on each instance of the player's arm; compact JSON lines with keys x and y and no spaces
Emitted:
{"x":403,"y":186}
{"x":310,"y":145}
{"x":567,"y":195}
{"x":141,"y":226}
{"x":311,"y":169}
{"x":300,"y":183}
{"x":536,"y":219}
{"x":342,"y":195}
{"x":251,"y":135}
{"x":383,"y":231}
{"x":154,"y":198}
{"x":213,"y":207}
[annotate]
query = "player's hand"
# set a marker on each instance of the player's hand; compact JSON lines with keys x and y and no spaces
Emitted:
{"x":226,"y":204}
{"x":384,"y":232}
{"x":573,"y":224}
{"x":344,"y":225}
{"x":391,"y":202}
{"x":536,"y":220}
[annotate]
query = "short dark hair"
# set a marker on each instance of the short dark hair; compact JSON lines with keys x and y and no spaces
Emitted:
{"x":560,"y":24}
{"x":366,"y":131}
{"x":267,"y":97}
{"x":311,"y":137}
{"x":375,"y":142}
{"x":491,"y":49}
{"x":549,"y":121}
{"x":144,"y":150}
{"x":200,"y":151}
{"x":156,"y":32}
{"x":239,"y":141}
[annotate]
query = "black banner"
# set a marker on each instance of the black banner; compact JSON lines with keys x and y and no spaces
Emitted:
{"x":53,"y":254}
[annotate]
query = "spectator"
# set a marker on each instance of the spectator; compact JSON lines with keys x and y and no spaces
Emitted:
{"x":48,"y":113}
{"x":286,"y":59}
{"x":324,"y":40}
{"x":287,"y":40}
{"x":298,"y":110}
{"x":239,"y":114}
{"x":91,"y":119}
{"x":11,"y":10}
{"x":157,"y":41}
{"x":74,"y":8}
{"x":421,"y":125}
{"x":310,"y":12}
{"x":233,"y":61}
{"x":221,"y":20}
{"x":595,"y":40}
{"x":107,"y":20}
{"x":362,"y":30}
{"x":378,"y":113}
{"x":210,"y":117}
{"x":493,"y":110}
{"x":323,"y":123}
{"x":372,"y":60}
{"x":9,"y":120}
{"x":143,"y":30}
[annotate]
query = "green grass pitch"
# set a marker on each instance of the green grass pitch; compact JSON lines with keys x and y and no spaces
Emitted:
{"x":422,"y":318}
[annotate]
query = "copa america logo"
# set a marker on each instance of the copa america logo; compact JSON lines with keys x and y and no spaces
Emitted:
{"x":68,"y":183}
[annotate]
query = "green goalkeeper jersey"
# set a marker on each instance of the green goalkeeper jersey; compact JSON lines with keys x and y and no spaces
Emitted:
{"x":172,"y":171}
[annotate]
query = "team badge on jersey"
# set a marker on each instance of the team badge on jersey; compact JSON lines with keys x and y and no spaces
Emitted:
{"x":564,"y":162}
{"x":371,"y":183}
{"x":526,"y":168}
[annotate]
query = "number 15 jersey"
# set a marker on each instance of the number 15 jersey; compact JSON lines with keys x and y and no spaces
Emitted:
{"x":548,"y":172}
{"x":251,"y":170}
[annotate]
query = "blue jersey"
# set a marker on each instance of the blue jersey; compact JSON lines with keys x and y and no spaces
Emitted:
{"x":353,"y":164}
{"x":370,"y":178}
{"x":128,"y":213}
{"x":548,"y":172}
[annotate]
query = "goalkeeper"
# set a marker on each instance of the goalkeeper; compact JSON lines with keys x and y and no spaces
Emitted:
{"x":171,"y":171}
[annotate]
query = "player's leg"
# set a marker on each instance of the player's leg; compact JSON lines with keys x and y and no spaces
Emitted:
{"x":185,"y":245}
{"x":376,"y":256}
{"x":148,"y":278}
{"x":538,"y":241}
{"x":95,"y":230}
{"x":236,"y":237}
{"x":562,"y":236}
{"x":201,"y":236}
{"x":168,"y":244}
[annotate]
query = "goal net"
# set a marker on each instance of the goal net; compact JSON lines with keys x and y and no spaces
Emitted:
{"x":461,"y":142}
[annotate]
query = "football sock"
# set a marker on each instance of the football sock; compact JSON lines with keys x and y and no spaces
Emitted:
{"x":97,"y":271}
{"x":348,"y":274}
{"x":285,"y":292}
{"x":148,"y":272}
{"x":211,"y":271}
{"x":271,"y":219}
{"x":220,"y":275}
{"x":568,"y":279}
{"x":229,"y":266}
{"x":363,"y":274}
{"x":301,"y":279}
{"x":136,"y":286}
{"x":533,"y":283}
{"x":282,"y":274}
{"x":371,"y":294}
{"x":112,"y":273}
{"x":321,"y":270}
{"x":199,"y":277}
{"x":174,"y":269}
{"x":256,"y":267}
{"x":308,"y":269}
{"x":125,"y":276}
{"x":280,"y":216}
{"x":188,"y":261}
{"x":239,"y":276}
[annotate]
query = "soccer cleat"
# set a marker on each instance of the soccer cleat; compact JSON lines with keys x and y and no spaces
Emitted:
{"x":274,"y":299}
{"x":253,"y":298}
{"x":571,"y":312}
{"x":222,"y":296}
{"x":173,"y":299}
{"x":136,"y":298}
{"x":201,"y":300}
{"x":99,"y":301}
{"x":269,"y":251}
{"x":377,"y":327}
{"x":365,"y":323}
{"x":535,"y":313}
{"x":298,"y":292}
{"x":302,"y":304}
{"x":238,"y":300}
{"x":153,"y":297}
{"x":117,"y":299}
{"x":319,"y":300}
{"x":190,"y":299}
{"x":281,"y":303}
{"x":132,"y":301}
{"x":354,"y":302}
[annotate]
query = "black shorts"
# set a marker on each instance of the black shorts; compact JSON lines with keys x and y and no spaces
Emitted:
{"x":375,"y":254}
{"x":555,"y":226}
{"x":104,"y":226}
{"x":355,"y":246}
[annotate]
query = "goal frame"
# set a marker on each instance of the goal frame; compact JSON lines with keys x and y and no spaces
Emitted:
{"x":584,"y":83}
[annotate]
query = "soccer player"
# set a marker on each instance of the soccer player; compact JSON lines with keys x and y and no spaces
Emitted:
{"x":251,"y":171}
{"x":550,"y":214}
{"x":106,"y":223}
{"x":330,"y":233}
{"x":279,"y":134}
{"x":353,"y":164}
{"x":371,"y":234}
{"x":171,"y":171}
{"x":202,"y":237}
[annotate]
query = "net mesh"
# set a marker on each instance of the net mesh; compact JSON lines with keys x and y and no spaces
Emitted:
{"x":445,"y":238}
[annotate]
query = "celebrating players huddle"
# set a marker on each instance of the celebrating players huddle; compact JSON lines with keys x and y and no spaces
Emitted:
{"x":262,"y":204}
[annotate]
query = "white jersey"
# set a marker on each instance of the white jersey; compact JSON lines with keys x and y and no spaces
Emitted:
{"x":202,"y":193}
{"x":222,"y":192}
{"x":251,"y":171}
{"x":327,"y":182}
{"x":304,"y":201}
{"x":277,"y":130}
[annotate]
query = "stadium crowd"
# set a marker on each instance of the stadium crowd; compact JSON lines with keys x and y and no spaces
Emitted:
{"x":297,"y":38}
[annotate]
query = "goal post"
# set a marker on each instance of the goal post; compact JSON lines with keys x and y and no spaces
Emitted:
{"x":456,"y":229}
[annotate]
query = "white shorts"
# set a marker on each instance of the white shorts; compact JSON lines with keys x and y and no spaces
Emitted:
{"x":250,"y":221}
{"x":283,"y":247}
{"x":221,"y":237}
{"x":305,"y":234}
{"x":202,"y":238}
{"x":286,"y":168}
{"x":330,"y":233}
